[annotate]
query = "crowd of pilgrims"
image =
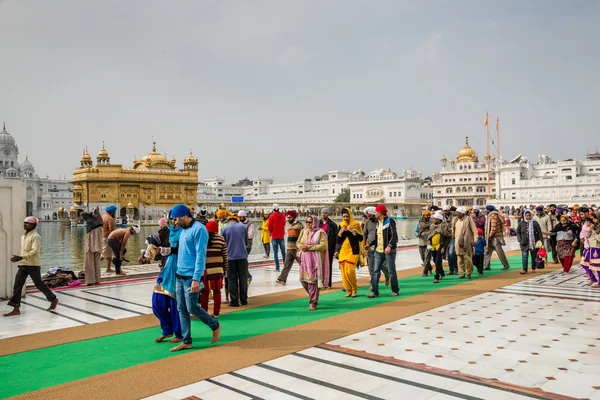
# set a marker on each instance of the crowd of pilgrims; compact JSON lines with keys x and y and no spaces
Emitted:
{"x":541,"y":231}
{"x":201,"y":255}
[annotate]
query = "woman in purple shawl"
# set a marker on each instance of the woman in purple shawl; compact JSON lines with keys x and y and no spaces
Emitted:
{"x":314,"y":259}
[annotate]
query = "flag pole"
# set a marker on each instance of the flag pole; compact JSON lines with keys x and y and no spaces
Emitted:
{"x":487,"y":137}
{"x":498,"y":135}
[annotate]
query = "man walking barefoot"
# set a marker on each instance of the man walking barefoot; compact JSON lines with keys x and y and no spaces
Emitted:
{"x":191,"y":262}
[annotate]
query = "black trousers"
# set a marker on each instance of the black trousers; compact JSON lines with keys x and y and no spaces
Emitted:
{"x":237,"y":277}
{"x":331,"y":253}
{"x":436,"y":256}
{"x":115,"y":246}
{"x":553,"y":245}
{"x":21,"y":278}
{"x":478,"y":262}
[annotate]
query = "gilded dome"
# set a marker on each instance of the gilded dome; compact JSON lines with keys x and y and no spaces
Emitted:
{"x":467,"y":154}
{"x":443,"y":158}
{"x":190,"y":159}
{"x":86,"y":156}
{"x":103,"y":153}
{"x":154,"y":160}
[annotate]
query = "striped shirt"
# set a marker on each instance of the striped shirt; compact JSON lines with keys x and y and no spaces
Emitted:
{"x":216,"y":257}
{"x":292,"y":235}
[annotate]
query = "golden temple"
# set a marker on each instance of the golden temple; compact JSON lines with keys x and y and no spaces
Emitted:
{"x":151,"y":186}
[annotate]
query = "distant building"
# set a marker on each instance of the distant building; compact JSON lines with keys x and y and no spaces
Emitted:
{"x":403,"y":194}
{"x":463,"y":182}
{"x":322,"y":189}
{"x":44,"y":196}
{"x":546,"y":181}
{"x":146,"y":191}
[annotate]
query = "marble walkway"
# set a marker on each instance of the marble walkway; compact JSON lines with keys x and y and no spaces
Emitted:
{"x":536,"y":339}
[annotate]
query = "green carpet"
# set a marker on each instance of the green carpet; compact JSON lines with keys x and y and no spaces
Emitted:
{"x":38,"y":369}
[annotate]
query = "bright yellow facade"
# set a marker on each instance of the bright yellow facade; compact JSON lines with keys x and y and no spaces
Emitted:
{"x":153,"y":184}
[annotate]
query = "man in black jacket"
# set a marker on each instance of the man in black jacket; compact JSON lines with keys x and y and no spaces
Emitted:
{"x":385,"y":249}
{"x":331,"y":229}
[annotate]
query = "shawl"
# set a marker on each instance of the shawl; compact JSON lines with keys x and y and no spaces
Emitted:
{"x":585,"y":234}
{"x":312,"y":260}
{"x":165,"y":284}
{"x":346,"y":250}
{"x":530,"y":230}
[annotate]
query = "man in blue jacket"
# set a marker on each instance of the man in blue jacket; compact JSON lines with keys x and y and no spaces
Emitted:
{"x":191,"y":262}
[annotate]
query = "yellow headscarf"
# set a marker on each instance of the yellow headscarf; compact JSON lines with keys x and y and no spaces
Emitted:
{"x":351,"y":222}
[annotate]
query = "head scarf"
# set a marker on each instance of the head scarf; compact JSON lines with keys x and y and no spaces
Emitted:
{"x":315,"y":223}
{"x":312,"y":261}
{"x":174,"y":232}
{"x":351,"y":222}
{"x":162,"y":222}
{"x":530,"y":230}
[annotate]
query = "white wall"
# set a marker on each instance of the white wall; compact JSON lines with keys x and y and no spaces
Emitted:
{"x":12,"y":213}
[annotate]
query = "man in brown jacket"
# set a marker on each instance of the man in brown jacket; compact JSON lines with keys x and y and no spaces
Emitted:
{"x":465,"y":233}
{"x":494,"y":238}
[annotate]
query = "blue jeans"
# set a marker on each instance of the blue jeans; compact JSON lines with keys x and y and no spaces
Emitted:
{"x":391,"y":265}
{"x":525,"y":258}
{"x":278,"y":243}
{"x":187,"y":303}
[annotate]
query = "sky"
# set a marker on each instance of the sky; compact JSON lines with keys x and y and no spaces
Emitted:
{"x":292,"y":89}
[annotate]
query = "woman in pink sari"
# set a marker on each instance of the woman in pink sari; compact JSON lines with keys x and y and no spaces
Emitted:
{"x":314,"y":259}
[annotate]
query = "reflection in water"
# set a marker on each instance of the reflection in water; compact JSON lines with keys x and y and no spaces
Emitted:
{"x":63,"y":246}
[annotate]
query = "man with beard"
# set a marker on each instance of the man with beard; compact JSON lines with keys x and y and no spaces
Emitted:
{"x":422,"y":234}
{"x":494,"y":238}
{"x":465,"y":233}
{"x":370,"y":238}
{"x":291,"y":253}
{"x":191,"y":263}
{"x":331,"y":229}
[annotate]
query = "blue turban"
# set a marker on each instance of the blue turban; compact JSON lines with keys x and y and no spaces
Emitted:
{"x":539,"y":208}
{"x":490,"y":207}
{"x":111,"y":209}
{"x":179,"y":211}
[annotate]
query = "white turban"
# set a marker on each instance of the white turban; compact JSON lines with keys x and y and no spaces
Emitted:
{"x":446,"y":208}
{"x":438,"y":215}
{"x":461,"y":210}
{"x":242,"y":213}
{"x":136,"y":228}
{"x":276,"y":207}
{"x":369,"y":210}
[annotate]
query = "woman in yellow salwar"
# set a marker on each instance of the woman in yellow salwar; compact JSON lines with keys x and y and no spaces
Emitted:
{"x":347,"y":251}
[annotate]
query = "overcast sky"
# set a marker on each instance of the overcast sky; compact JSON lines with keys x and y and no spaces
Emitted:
{"x":291,"y":89}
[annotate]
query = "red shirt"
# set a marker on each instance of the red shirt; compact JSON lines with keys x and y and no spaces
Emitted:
{"x":277,"y":225}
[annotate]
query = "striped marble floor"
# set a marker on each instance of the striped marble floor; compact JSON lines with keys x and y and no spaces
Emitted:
{"x":514,"y":343}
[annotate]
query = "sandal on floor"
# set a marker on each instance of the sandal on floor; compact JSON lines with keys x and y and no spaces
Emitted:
{"x":523,"y":272}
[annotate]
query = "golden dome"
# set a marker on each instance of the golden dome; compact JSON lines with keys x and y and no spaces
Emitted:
{"x":86,"y":156}
{"x":61,"y":209}
{"x":103,"y":153}
{"x":434,"y":174}
{"x":154,"y":160}
{"x":190,"y":159}
{"x":73,"y":208}
{"x":443,"y":158}
{"x":129,"y":205}
{"x":467,"y":154}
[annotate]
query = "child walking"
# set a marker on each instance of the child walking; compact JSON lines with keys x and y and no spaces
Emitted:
{"x":479,"y":251}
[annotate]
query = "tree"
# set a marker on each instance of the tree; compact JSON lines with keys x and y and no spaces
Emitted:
{"x":343,"y":197}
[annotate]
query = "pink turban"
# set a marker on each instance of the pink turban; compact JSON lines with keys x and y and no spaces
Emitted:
{"x":162,"y":222}
{"x":31,"y":220}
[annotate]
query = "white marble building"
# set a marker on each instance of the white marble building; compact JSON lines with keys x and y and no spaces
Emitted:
{"x":43,"y":195}
{"x":322,"y":189}
{"x":463,"y":182}
{"x":546,"y":181}
{"x":396,"y":191}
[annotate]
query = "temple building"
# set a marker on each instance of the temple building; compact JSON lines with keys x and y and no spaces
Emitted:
{"x":146,"y":191}
{"x":44,"y":195}
{"x":464,"y":182}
